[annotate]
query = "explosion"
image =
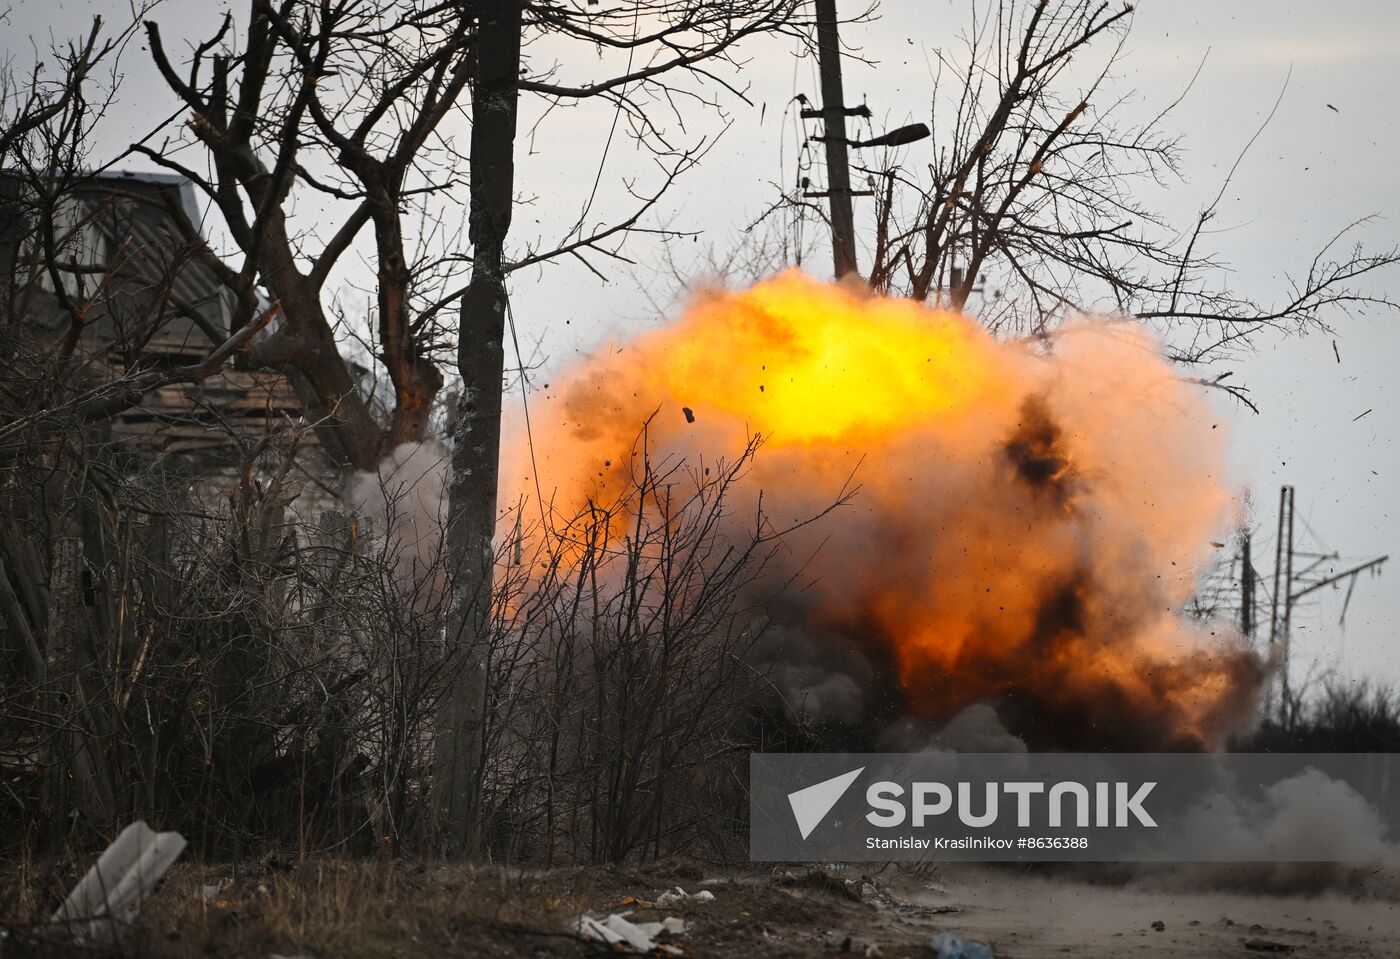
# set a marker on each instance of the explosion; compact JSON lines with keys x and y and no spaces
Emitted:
{"x":1030,"y":520}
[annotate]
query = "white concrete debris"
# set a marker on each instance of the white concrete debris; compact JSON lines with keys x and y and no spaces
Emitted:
{"x":123,"y":877}
{"x":672,"y":896}
{"x":619,"y":931}
{"x":670,"y":925}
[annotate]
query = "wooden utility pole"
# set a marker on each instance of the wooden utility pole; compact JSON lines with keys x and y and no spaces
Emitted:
{"x":833,"y":114}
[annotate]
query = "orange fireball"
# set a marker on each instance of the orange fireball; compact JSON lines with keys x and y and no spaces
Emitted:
{"x":1031,"y":517}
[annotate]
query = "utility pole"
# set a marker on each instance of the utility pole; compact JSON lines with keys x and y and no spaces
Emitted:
{"x":1287,"y":630}
{"x":1285,"y":516}
{"x":833,"y":115}
{"x":1247,"y":580}
{"x":1289,"y":587}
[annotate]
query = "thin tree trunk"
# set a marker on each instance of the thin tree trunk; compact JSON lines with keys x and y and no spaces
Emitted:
{"x":459,"y":755}
{"x":77,"y":780}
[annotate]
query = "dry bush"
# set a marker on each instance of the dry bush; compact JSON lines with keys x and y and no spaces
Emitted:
{"x":220,"y":669}
{"x":1340,"y":717}
{"x":623,"y":690}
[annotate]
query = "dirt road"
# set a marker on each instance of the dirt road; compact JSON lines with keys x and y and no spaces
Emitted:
{"x":1027,"y":916}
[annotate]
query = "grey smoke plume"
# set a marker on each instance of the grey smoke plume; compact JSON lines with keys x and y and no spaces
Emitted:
{"x":405,"y":500}
{"x":977,"y":729}
{"x":1310,"y":814}
{"x":819,"y":679}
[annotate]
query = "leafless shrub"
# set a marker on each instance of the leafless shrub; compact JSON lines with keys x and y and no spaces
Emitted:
{"x":1332,"y":716}
{"x":220,"y":670}
{"x":622,"y":692}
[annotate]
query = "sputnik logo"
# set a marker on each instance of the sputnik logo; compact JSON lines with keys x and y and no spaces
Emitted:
{"x":811,"y":804}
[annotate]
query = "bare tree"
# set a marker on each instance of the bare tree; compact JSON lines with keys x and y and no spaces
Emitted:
{"x":349,"y":102}
{"x":343,"y":101}
{"x":662,"y":38}
{"x":622,"y":679}
{"x":1031,"y":197}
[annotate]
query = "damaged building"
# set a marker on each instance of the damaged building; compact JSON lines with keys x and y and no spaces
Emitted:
{"x":123,"y":285}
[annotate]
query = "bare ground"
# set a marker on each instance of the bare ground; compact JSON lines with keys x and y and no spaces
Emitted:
{"x":332,"y":909}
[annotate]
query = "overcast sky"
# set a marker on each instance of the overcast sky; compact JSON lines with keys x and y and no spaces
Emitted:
{"x":1328,"y":427}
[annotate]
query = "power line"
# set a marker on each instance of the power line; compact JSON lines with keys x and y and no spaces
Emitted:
{"x":1290,"y":586}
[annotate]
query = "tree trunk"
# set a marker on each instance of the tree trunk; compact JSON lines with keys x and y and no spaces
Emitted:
{"x":459,"y":756}
{"x":76,"y":778}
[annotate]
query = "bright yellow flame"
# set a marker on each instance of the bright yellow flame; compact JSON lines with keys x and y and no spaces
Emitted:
{"x":801,"y":362}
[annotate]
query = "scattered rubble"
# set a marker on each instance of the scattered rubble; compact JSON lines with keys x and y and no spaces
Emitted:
{"x":912,"y":910}
{"x":856,"y":890}
{"x":672,"y":896}
{"x":619,"y":932}
{"x":870,"y":950}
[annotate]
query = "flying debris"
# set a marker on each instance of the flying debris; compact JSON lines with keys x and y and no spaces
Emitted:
{"x":908,"y":134}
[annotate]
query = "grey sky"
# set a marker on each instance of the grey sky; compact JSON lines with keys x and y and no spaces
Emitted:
{"x":1312,"y":171}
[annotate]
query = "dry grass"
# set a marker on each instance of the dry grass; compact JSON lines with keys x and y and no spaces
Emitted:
{"x":363,"y":910}
{"x":341,"y":909}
